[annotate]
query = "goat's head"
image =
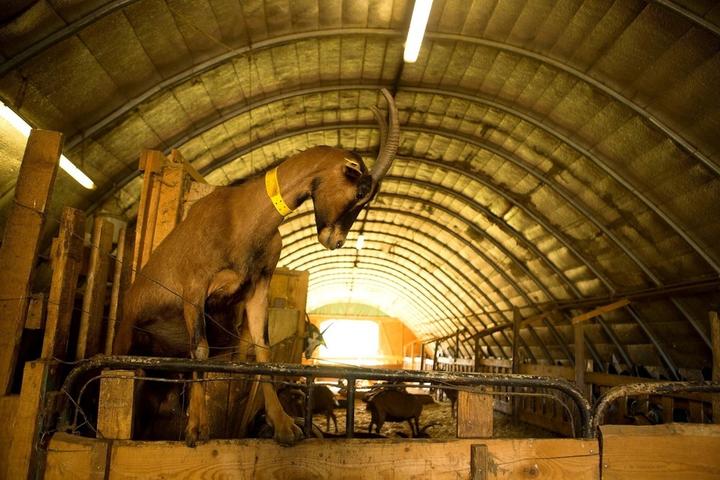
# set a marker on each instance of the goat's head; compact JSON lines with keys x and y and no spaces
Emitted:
{"x":313,"y":339}
{"x":340,"y":196}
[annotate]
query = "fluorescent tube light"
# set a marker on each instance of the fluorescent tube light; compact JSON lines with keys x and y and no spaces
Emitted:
{"x":416,"y":32}
{"x":22,"y":126}
{"x":360,"y":242}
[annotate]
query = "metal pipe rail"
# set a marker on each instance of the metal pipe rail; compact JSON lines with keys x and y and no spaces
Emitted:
{"x":649,"y":388}
{"x":349,"y":373}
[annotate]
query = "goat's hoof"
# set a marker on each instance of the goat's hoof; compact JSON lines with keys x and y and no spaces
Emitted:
{"x":288,"y":434}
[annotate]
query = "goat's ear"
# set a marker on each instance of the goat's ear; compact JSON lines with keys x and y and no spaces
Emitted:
{"x":352,"y":169}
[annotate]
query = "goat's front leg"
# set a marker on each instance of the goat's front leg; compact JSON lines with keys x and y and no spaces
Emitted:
{"x":197,"y":428}
{"x":286,"y":432}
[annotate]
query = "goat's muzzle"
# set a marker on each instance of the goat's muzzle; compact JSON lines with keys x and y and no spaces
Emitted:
{"x":332,"y":237}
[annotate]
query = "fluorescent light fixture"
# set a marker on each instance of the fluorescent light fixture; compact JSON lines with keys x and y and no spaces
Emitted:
{"x":416,"y":32}
{"x":22,"y":126}
{"x":360,"y":242}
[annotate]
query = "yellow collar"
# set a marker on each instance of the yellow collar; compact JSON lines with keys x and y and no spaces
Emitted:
{"x":272,"y":187}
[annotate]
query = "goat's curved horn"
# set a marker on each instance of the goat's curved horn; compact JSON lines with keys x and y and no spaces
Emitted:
{"x":389,"y":139}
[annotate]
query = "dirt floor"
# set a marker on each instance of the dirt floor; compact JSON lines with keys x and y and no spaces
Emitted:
{"x":436,"y":412}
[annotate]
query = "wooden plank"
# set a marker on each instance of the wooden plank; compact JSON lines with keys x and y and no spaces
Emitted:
{"x":8,"y":412}
{"x":670,"y":451}
{"x":217,"y":393}
{"x":355,"y":459}
{"x":715,"y":339}
{"x":495,"y":362}
{"x":121,"y":278}
{"x":23,"y":455}
{"x":35,"y":319}
{"x":90,"y":341}
{"x":151,"y":162}
{"x":67,"y":258}
{"x":115,"y":406}
{"x":169,"y":201}
{"x":20,"y":242}
{"x":71,"y":456}
{"x":474,"y":415}
{"x":600,"y":311}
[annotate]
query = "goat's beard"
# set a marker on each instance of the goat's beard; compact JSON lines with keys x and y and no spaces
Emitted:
{"x":331,"y":237}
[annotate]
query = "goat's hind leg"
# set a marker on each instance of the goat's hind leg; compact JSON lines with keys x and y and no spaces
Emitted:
{"x":197,"y":428}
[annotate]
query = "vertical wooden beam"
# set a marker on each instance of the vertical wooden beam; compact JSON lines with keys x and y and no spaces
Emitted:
{"x":517,"y":319}
{"x":474,"y":415}
{"x":457,"y":344}
{"x":66,"y":260}
{"x":580,"y":364}
{"x":668,"y":406}
{"x":422,"y":356}
{"x":169,"y":202}
{"x":21,"y":240}
{"x":151,"y":162}
{"x":476,"y":366}
{"x":115,"y":405}
{"x":23,"y":458}
{"x":90,"y":341}
{"x":435,"y":355}
{"x":121,"y":278}
{"x":715,"y":339}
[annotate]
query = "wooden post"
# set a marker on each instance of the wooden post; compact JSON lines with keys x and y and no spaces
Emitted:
{"x":151,"y":162}
{"x":517,"y":319}
{"x":457,"y":344}
{"x":115,"y":406}
{"x":579,"y":346}
{"x":23,"y":457}
{"x":474,"y":415}
{"x":66,"y":260}
{"x":422,"y":356}
{"x":435,"y":355}
{"x":476,"y":366}
{"x":715,"y":337}
{"x":20,"y":243}
{"x":90,"y":341}
{"x":170,"y":197}
{"x":121,"y":278}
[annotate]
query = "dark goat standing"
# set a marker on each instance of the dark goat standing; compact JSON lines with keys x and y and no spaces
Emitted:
{"x":223,"y":254}
{"x":395,"y":406}
{"x":294,"y":401}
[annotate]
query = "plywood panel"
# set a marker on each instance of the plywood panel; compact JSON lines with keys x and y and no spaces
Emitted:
{"x":672,"y":452}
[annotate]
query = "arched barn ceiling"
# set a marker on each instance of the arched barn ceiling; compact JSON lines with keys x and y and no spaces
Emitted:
{"x":553,"y":154}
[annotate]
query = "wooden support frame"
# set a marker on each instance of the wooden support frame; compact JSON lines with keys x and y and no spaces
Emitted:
{"x":90,"y":341}
{"x":600,"y":311}
{"x":66,"y":261}
{"x":21,"y":240}
{"x":121,"y":281}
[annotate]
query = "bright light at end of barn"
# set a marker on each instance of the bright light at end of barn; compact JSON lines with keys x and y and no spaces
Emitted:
{"x":23,"y":127}
{"x":416,"y":32}
{"x":353,"y":342}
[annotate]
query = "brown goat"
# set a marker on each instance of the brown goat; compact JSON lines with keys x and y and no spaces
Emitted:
{"x":224,"y":252}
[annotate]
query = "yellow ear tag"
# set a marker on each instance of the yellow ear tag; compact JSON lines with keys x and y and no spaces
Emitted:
{"x":272,"y":187}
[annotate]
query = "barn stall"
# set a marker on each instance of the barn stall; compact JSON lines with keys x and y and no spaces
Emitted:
{"x":543,"y":246}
